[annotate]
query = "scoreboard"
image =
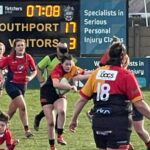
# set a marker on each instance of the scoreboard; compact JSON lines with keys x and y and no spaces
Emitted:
{"x":83,"y":24}
{"x":41,"y":23}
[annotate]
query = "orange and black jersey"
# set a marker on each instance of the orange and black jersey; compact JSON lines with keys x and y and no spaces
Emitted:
{"x":59,"y":73}
{"x":111,"y":88}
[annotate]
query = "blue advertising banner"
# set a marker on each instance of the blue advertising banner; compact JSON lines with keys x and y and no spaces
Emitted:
{"x":139,"y":66}
{"x":100,"y":20}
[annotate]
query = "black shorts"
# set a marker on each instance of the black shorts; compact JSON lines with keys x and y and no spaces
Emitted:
{"x":136,"y":115}
{"x":111,"y":138}
{"x":48,"y":95}
{"x":15,"y":89}
{"x":112,"y":132}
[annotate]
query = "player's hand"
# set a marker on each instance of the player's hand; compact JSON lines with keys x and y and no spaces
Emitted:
{"x":74,"y":88}
{"x":76,"y":78}
{"x":16,"y":142}
{"x":28,"y":78}
{"x":42,"y":83}
{"x":72,"y":126}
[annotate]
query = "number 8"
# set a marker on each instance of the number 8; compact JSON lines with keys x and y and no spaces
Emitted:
{"x":103,"y":92}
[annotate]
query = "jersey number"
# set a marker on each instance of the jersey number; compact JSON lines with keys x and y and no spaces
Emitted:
{"x":103,"y":92}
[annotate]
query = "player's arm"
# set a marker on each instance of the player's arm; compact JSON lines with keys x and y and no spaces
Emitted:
{"x":4,"y":62}
{"x":78,"y":108}
{"x":10,"y":143}
{"x":64,"y":86}
{"x":81,"y":74}
{"x":32,"y":75}
{"x":39,"y":75}
{"x":85,"y":94}
{"x":40,"y":67}
{"x":32,"y":67}
{"x":143,"y":108}
{"x":136,"y":96}
{"x":81,"y":77}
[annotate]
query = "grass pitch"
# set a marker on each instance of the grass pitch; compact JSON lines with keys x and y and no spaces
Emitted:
{"x":82,"y":139}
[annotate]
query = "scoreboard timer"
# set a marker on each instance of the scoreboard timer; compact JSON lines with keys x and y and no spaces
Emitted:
{"x":42,"y":24}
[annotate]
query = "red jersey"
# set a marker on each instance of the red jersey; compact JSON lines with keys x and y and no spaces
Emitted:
{"x":7,"y":136}
{"x":18,"y":68}
{"x":112,"y":88}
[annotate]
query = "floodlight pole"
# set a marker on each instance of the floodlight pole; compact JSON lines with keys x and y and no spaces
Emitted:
{"x":146,"y":17}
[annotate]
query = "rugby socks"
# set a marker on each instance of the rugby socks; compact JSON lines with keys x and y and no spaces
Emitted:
{"x":40,"y":115}
{"x":148,"y":145}
{"x":52,"y":142}
{"x":26,"y":128}
{"x":60,"y":131}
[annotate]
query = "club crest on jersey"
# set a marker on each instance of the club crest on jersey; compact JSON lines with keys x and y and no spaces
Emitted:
{"x":107,"y":75}
{"x":20,"y":67}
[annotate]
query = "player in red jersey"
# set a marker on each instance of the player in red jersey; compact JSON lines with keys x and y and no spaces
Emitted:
{"x":2,"y":51}
{"x":21,"y":70}
{"x":5,"y":133}
{"x":51,"y":100}
{"x":113,"y":89}
{"x":137,"y":117}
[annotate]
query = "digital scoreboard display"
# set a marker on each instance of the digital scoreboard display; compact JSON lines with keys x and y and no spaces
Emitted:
{"x":87,"y":26}
{"x":42,"y":24}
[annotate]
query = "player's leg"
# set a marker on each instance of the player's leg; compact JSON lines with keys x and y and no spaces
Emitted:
{"x":11,"y":109}
{"x":20,"y":102}
{"x":49,"y":114}
{"x":47,"y":97}
{"x":37,"y":119}
{"x":16,"y":92}
{"x":108,"y":141}
{"x":10,"y":89}
{"x":118,"y":148}
{"x":100,"y":141}
{"x":138,"y":123}
{"x":1,"y":88}
{"x":61,"y":107}
{"x":55,"y":120}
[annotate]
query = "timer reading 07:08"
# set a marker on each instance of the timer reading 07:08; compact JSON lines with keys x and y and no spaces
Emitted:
{"x":40,"y":10}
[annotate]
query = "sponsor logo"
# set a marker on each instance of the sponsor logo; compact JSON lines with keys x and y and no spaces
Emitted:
{"x":104,"y":111}
{"x":20,"y":67}
{"x":107,"y":75}
{"x":103,"y":132}
{"x":1,"y":10}
{"x":11,"y":9}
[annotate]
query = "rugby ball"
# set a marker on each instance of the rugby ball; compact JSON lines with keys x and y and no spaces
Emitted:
{"x":61,"y":91}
